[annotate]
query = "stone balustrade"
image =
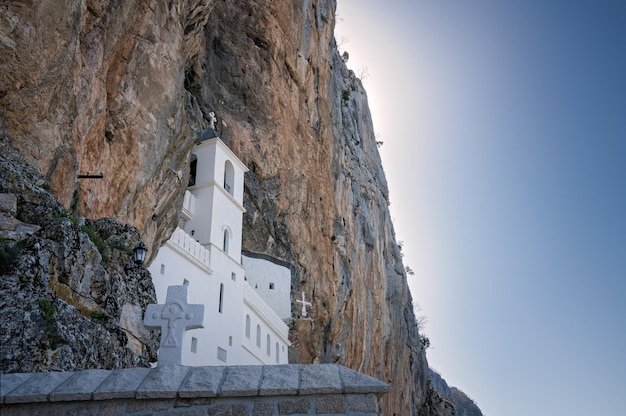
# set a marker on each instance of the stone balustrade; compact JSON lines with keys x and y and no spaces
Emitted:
{"x":177,"y":390}
{"x":185,"y":244}
{"x":252,"y":298}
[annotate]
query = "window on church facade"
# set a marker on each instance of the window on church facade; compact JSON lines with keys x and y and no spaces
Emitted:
{"x":221,"y":354}
{"x":221,"y":304}
{"x":229,"y":177}
{"x":277,"y":354}
{"x":193,"y":167}
{"x":226,"y":238}
{"x":194,"y":344}
{"x":248,"y":326}
{"x":271,"y":286}
{"x":268,"y":348}
{"x":162,"y":268}
{"x":258,"y":336}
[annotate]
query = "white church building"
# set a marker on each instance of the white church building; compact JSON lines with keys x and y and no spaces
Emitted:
{"x":245,"y":307}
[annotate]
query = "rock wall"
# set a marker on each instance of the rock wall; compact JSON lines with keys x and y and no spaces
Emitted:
{"x":439,"y":384}
{"x":97,"y":87}
{"x":65,"y":301}
{"x":316,"y":194}
{"x":119,"y":88}
{"x":463,"y":405}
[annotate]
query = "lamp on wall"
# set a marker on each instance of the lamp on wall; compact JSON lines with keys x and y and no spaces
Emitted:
{"x":139,"y":256}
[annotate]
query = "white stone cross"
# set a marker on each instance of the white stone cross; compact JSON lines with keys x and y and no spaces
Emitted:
{"x":304,"y":305}
{"x":212,"y":120}
{"x":174,"y":318}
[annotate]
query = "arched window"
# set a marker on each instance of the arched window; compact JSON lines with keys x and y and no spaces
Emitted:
{"x":268,"y":348}
{"x":226,"y":240}
{"x":221,"y":297}
{"x":193,"y":168}
{"x":229,"y":177}
{"x":258,"y":336}
{"x":277,"y":354}
{"x":248,"y":326}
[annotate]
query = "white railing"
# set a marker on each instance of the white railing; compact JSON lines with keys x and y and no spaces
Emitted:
{"x":189,"y":205}
{"x":256,"y":302}
{"x":185,"y":243}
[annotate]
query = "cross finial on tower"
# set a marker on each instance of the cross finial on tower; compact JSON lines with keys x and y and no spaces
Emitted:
{"x":174,"y":318}
{"x":304,"y":305}
{"x":212,"y":120}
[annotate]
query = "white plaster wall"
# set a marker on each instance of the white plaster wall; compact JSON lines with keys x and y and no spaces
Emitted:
{"x":226,"y":213}
{"x":254,"y":354}
{"x":220,"y":329}
{"x":226,"y":325}
{"x":216,"y":209}
{"x":260,"y":273}
{"x":176,"y":269}
{"x":199,"y":224}
{"x":212,"y":155}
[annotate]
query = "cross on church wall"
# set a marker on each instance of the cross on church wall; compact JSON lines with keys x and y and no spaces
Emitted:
{"x":174,"y":318}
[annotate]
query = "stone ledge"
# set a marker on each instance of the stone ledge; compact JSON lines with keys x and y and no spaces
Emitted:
{"x":184,"y":382}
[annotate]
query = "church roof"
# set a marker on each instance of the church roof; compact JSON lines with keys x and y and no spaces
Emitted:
{"x":206,"y":135}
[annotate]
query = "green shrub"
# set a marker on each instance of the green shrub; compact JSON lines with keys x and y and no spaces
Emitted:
{"x":48,"y":310}
{"x":345,"y":96}
{"x":101,"y":316}
{"x":95,"y":238}
{"x":64,"y":214}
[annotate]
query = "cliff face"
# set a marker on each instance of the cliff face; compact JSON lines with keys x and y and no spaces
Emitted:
{"x":65,"y":301}
{"x":96,"y":87}
{"x":316,"y":195}
{"x":120,"y":88}
{"x":463,"y":405}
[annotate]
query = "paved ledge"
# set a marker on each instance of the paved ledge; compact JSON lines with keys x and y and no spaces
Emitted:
{"x":169,"y":382}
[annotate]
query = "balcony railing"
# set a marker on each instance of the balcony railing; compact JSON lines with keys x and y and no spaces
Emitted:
{"x":187,"y":245}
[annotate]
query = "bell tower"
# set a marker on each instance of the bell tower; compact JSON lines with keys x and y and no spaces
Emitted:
{"x":217,"y":178}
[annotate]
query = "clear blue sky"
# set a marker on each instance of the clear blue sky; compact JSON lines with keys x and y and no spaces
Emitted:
{"x":504,"y":130}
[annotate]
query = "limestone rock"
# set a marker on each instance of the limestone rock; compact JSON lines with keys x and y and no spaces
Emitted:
{"x":63,"y":295}
{"x":464,"y":406}
{"x":439,"y":384}
{"x":316,"y":194}
{"x":435,"y":405}
{"x":96,"y":87}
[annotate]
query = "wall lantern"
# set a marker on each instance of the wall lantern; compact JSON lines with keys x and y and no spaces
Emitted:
{"x":139,"y":256}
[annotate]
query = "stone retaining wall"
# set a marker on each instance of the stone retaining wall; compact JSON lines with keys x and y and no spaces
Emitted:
{"x":177,"y":390}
